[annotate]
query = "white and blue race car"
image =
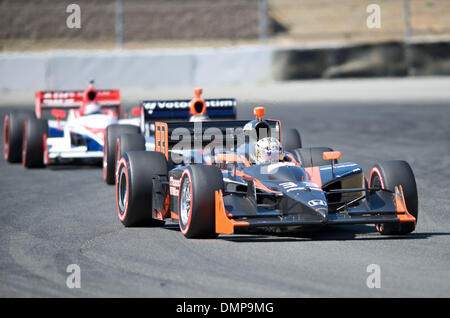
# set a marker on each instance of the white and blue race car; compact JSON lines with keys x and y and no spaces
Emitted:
{"x":65,"y":126}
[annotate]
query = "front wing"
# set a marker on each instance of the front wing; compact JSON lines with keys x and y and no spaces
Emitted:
{"x":227,"y":223}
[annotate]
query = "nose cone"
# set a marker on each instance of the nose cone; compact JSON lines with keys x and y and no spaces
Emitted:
{"x":311,"y":204}
{"x":323,"y":213}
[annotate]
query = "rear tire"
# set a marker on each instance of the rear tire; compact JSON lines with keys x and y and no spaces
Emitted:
{"x":389,"y":174}
{"x":126,"y":143}
{"x":196,"y":201}
{"x":290,"y":139}
{"x":134,"y":187}
{"x":109,"y":149}
{"x":312,"y":156}
{"x":13,"y":134}
{"x":34,"y":131}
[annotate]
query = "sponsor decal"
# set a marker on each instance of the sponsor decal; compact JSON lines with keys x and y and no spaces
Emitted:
{"x":275,"y":166}
{"x":60,"y":95}
{"x":174,"y":182}
{"x":291,"y":186}
{"x":316,"y":202}
{"x":295,"y":189}
{"x":220,"y":102}
{"x":288,"y":185}
{"x":337,"y":166}
{"x":174,"y":191}
{"x":150,"y":106}
{"x":53,"y":102}
{"x":174,"y":186}
{"x":311,"y":185}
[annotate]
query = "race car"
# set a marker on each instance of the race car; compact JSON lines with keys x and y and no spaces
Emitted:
{"x":119,"y":140}
{"x":76,"y":131}
{"x":230,"y":177}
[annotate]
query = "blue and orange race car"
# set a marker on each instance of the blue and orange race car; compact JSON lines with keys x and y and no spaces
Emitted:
{"x":213,"y":181}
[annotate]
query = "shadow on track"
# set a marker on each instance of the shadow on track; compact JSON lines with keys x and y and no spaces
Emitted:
{"x":75,"y":165}
{"x":360,"y":233}
{"x":330,"y":233}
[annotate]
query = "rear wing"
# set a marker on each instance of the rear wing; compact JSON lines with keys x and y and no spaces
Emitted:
{"x":168,"y":134}
{"x":219,"y":108}
{"x":73,"y":99}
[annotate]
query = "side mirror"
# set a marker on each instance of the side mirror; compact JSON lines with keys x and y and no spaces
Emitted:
{"x":331,"y":155}
{"x":58,"y":113}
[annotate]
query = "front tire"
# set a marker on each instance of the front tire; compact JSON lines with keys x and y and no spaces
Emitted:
{"x":389,"y":174}
{"x":196,"y":201}
{"x":134,"y":186}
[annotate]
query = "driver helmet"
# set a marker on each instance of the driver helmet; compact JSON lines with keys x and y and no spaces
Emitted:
{"x":92,"y":108}
{"x":268,"y":150}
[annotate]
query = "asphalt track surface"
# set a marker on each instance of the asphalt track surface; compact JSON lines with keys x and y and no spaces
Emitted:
{"x":63,"y":215}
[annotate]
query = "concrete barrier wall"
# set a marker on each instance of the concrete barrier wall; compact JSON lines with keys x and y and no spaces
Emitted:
{"x":22,"y":71}
{"x":135,"y":69}
{"x":138,"y":70}
{"x":216,"y":67}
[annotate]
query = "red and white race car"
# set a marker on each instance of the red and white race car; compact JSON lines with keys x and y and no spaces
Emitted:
{"x":76,"y":131}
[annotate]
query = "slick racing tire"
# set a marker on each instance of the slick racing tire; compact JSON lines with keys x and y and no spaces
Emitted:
{"x":196,"y":200}
{"x":134,"y":186}
{"x":290,"y":139}
{"x":109,"y":148}
{"x":128,"y":142}
{"x":13,"y":134}
{"x":312,"y":156}
{"x":387,"y":175}
{"x":34,"y":132}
